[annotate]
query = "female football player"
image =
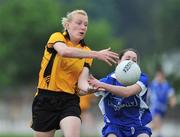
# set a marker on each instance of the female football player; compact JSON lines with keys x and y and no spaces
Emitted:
{"x":124,"y":108}
{"x":66,"y":57}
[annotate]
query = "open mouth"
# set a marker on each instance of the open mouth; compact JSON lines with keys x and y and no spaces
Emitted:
{"x":81,"y":33}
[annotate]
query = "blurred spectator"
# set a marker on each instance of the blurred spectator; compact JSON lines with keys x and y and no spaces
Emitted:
{"x":162,"y":96}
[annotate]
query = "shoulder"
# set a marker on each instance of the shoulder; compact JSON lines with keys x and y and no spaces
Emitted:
{"x":56,"y":37}
{"x":144,"y":78}
{"x":143,"y":83}
{"x":57,"y":34}
{"x":109,"y":78}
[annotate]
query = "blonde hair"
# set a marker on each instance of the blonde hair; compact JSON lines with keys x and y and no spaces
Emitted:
{"x":69,"y":16}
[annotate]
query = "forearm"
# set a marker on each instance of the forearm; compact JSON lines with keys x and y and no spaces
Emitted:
{"x":104,"y":55}
{"x":117,"y":90}
{"x":79,"y":53}
{"x":90,"y":90}
{"x":73,"y":52}
{"x":83,"y":85}
{"x":172,"y":101}
{"x":120,"y":90}
{"x":84,"y":88}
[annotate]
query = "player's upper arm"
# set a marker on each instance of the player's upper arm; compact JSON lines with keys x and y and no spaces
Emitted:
{"x":61,"y":48}
{"x":57,"y":41}
{"x":83,"y":79}
{"x":54,"y":38}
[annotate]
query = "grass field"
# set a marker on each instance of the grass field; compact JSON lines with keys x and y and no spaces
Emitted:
{"x":30,"y":135}
{"x":14,"y":135}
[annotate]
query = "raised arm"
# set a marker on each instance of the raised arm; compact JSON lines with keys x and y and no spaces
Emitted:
{"x":104,"y":55}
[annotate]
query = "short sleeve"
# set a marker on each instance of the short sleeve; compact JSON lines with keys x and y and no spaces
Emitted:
{"x":88,"y":61}
{"x":143,"y":83}
{"x":55,"y":37}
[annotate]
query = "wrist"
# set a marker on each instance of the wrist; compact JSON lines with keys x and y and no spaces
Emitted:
{"x":90,"y":88}
{"x":94,"y":54}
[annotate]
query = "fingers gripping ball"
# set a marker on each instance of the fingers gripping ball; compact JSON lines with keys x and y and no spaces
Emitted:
{"x":127,"y":72}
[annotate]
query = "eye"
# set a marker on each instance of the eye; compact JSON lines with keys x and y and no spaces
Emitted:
{"x":79,"y":23}
{"x":85,"y":23}
{"x":127,"y":58}
{"x":134,"y":60}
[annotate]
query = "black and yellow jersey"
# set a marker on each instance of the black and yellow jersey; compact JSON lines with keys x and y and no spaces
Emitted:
{"x":59,"y":73}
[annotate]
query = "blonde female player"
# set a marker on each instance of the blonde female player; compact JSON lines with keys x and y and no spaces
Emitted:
{"x":66,"y":60}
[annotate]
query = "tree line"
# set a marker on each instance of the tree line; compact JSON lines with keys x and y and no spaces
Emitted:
{"x":152,"y":27}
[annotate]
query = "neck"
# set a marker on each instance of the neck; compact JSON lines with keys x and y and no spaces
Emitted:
{"x":74,"y":42}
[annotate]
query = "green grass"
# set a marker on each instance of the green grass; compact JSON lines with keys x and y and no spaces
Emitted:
{"x":15,"y":135}
{"x":31,"y":135}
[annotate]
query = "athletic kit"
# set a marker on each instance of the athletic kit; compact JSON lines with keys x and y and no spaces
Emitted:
{"x":125,"y":117}
{"x":55,"y":98}
{"x":159,"y":96}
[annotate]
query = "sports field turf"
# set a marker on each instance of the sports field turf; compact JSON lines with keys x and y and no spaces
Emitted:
{"x":20,"y":135}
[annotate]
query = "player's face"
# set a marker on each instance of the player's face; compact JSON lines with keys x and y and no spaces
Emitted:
{"x":160,"y":77}
{"x":77,"y":27}
{"x":129,"y":55}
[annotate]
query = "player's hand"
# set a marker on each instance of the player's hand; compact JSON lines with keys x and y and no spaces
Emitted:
{"x":108,"y":56}
{"x":95,"y":83}
{"x":90,"y":90}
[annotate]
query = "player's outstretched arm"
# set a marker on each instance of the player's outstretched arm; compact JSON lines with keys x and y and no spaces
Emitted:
{"x":117,"y":90}
{"x":105,"y":55}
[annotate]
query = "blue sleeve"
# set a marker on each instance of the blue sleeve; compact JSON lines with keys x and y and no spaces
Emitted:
{"x":144,"y":79}
{"x":108,"y":79}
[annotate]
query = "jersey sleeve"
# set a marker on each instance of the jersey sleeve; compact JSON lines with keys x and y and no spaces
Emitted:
{"x":55,"y":37}
{"x":143,"y":83}
{"x":108,"y":80}
{"x":88,"y":61}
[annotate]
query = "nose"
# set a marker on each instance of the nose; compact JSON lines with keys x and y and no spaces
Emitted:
{"x":83,"y":27}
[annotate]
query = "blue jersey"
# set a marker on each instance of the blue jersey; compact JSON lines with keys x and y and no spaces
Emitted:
{"x":131,"y":111}
{"x":159,"y":96}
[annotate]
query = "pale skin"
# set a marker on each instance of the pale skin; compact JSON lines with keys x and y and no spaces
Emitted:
{"x":77,"y":28}
{"x":119,"y":90}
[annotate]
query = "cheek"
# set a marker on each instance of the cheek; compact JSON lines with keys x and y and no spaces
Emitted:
{"x":72,"y":27}
{"x":123,"y":58}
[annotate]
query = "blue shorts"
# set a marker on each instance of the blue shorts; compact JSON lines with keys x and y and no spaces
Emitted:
{"x":122,"y":131}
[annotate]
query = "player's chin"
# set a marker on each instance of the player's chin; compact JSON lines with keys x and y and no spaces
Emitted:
{"x":81,"y":36}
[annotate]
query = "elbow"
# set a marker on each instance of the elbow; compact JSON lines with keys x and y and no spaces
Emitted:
{"x":126,"y":95}
{"x":64,"y":53}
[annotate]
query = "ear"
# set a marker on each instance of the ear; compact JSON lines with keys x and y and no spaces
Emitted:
{"x":66,"y":25}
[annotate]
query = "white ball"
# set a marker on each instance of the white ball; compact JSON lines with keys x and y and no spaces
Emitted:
{"x":127,"y":72}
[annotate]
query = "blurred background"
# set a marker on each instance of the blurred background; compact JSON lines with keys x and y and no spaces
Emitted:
{"x":151,"y":27}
